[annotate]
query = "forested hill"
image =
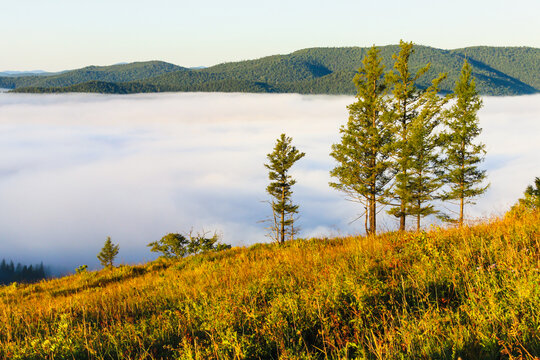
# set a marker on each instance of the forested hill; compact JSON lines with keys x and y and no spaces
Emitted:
{"x":498,"y":71}
{"x":113,"y":74}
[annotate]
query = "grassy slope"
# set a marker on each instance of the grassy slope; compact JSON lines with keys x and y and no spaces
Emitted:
{"x":471,"y":292}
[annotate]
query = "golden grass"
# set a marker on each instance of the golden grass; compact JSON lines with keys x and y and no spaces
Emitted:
{"x":472,"y":293}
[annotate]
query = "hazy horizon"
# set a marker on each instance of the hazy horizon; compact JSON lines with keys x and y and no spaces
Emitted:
{"x":77,"y":168}
{"x":65,"y":34}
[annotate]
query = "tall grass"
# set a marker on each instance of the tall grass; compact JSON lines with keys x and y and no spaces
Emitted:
{"x":472,"y":293}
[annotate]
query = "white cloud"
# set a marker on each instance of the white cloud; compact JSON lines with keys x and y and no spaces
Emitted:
{"x":75,"y":169}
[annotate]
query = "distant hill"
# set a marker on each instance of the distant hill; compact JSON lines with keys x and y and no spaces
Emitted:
{"x":498,"y":71}
{"x":25,"y":73}
{"x":114,"y":73}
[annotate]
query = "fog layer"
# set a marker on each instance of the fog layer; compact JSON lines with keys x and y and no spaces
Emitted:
{"x":75,"y":169}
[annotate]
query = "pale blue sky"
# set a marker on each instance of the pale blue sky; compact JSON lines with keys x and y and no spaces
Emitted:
{"x":62,"y":34}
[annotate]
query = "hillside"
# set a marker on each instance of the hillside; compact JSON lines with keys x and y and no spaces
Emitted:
{"x":498,"y":70}
{"x":471,"y":293}
{"x":114,"y":73}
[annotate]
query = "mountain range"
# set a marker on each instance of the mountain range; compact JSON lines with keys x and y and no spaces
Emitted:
{"x":498,"y":71}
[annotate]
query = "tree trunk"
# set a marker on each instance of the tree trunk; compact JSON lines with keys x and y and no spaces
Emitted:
{"x":372,"y":215}
{"x":402,"y":217}
{"x":418,"y":216}
{"x":282,"y":216}
{"x":367,"y":216}
{"x":461,"y":203}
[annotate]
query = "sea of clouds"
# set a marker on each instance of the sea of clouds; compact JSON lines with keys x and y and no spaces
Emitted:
{"x":76,"y":168}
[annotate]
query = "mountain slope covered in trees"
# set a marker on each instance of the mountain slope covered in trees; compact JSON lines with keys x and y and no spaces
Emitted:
{"x":498,"y":70}
{"x":114,"y":73}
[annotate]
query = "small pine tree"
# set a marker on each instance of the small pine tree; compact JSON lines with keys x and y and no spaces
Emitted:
{"x":280,"y":161}
{"x":362,"y":156}
{"x":531,"y":198}
{"x":463,"y":155}
{"x":108,"y":253}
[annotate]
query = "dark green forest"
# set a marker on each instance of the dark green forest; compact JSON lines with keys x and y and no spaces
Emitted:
{"x":9,"y":272}
{"x":498,"y":71}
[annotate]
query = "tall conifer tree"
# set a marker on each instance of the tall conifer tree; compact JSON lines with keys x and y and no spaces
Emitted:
{"x":280,"y":161}
{"x":425,"y":161}
{"x":410,"y":103}
{"x":463,"y":177}
{"x":406,"y":102}
{"x":362,"y":155}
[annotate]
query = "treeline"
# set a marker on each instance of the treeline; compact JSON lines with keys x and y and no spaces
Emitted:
{"x":103,"y":87}
{"x":498,"y":71}
{"x":9,"y":272}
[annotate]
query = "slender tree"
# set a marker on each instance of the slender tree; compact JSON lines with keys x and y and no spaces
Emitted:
{"x":108,"y":253}
{"x":463,"y":156}
{"x":407,"y":102}
{"x":425,"y":162}
{"x":363,"y":169}
{"x":279,"y":163}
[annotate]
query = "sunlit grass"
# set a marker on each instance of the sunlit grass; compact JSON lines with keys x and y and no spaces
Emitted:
{"x":472,"y":293}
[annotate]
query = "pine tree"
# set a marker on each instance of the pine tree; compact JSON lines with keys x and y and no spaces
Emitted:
{"x":407,"y":101}
{"x":363,"y":169}
{"x":463,"y":155}
{"x":108,"y":253}
{"x":280,"y":161}
{"x":424,"y":158}
{"x":532,"y":195}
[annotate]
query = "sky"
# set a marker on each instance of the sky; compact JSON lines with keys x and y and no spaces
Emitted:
{"x":76,"y":168}
{"x":57,"y":35}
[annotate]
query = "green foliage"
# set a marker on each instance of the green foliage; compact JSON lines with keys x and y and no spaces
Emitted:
{"x":170,"y":245}
{"x":415,"y":117}
{"x":362,"y":169}
{"x":506,"y":63}
{"x":279,"y":163}
{"x":498,"y":70}
{"x":94,"y":86}
{"x":108,"y":253}
{"x":462,"y":177}
{"x":425,"y":164}
{"x":532,"y":195}
{"x":81,"y":269}
{"x":177,"y":245}
{"x":11,"y":273}
{"x":406,"y":102}
{"x":530,"y":200}
{"x":113,"y":74}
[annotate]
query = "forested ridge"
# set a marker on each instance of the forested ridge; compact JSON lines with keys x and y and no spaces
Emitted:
{"x":498,"y":71}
